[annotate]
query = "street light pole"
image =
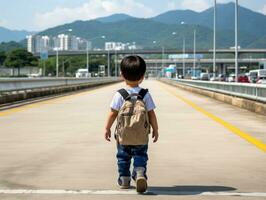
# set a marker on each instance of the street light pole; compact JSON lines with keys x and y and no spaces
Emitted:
{"x":157,"y":70}
{"x":57,"y":63}
{"x":184,"y":51}
{"x":162,"y":59}
{"x":236,"y":41}
{"x":88,"y":64}
{"x":57,"y":54}
{"x":108,"y":63}
{"x":116,"y":74}
{"x":87,"y":51}
{"x":214,"y":39}
{"x":194,"y":61}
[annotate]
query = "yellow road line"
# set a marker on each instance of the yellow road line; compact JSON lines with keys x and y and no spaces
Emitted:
{"x":220,"y":121}
{"x":55,"y":100}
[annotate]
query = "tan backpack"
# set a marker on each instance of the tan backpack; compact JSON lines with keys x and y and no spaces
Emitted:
{"x":133,"y":125}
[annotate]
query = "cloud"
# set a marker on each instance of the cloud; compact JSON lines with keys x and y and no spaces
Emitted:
{"x":263,"y":10}
{"x":3,"y":22}
{"x":90,"y":10}
{"x":198,"y":5}
{"x":172,"y":5}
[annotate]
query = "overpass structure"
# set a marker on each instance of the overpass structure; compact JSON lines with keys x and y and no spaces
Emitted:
{"x":55,"y":149}
{"x":154,"y":64}
{"x":155,"y":51}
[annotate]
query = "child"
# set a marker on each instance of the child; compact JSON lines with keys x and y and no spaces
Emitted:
{"x":133,"y":108}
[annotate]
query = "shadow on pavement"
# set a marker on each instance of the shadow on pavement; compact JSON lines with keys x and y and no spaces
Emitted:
{"x":186,"y":190}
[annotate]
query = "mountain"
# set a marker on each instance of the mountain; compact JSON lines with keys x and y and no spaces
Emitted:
{"x":249,"y":21}
{"x":143,"y":32}
{"x":7,"y":35}
{"x":259,"y":43}
{"x":126,"y":29}
{"x":114,"y":18}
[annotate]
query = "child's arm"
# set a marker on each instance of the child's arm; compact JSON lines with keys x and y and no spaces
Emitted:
{"x":110,"y":120}
{"x":154,"y":125}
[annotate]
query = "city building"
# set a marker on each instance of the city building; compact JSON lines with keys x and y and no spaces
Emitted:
{"x":45,"y":43}
{"x":37,"y":43}
{"x":31,"y":43}
{"x":63,"y":42}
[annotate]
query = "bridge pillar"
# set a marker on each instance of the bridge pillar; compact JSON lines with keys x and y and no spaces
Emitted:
{"x":108,"y":63}
{"x":224,"y":69}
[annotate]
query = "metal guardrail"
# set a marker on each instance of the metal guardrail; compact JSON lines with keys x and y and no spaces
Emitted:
{"x":244,"y":90}
{"x":22,"y":84}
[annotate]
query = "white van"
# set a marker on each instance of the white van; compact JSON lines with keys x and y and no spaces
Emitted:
{"x":256,"y":75}
{"x":83,"y":73}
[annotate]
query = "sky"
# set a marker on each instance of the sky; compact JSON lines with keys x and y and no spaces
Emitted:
{"x":37,"y":15}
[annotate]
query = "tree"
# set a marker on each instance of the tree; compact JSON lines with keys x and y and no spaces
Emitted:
{"x":9,"y":46}
{"x":20,"y":58}
{"x":2,"y":57}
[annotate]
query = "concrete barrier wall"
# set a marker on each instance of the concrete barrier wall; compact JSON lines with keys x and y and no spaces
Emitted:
{"x":247,"y":104}
{"x":41,"y":92}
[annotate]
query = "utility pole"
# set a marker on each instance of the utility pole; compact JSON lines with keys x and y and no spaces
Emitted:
{"x":116,"y":74}
{"x":236,"y":41}
{"x":162,"y":58}
{"x":108,"y":63}
{"x":184,"y":51}
{"x":194,"y":61}
{"x":57,"y":63}
{"x":214,"y":39}
{"x":87,"y":52}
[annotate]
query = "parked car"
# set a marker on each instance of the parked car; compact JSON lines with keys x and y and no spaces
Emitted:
{"x":262,"y":80}
{"x":83,"y":73}
{"x":220,"y":77}
{"x":34,"y":75}
{"x":231,"y":78}
{"x":180,"y":77}
{"x":256,"y":75}
{"x":242,"y":78}
{"x":195,"y":78}
{"x":204,"y":77}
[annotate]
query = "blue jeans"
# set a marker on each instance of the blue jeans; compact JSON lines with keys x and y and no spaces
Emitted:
{"x":124,"y":155}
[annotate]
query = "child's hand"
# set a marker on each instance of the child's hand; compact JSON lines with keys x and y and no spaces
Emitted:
{"x":155,"y":135}
{"x":108,"y":135}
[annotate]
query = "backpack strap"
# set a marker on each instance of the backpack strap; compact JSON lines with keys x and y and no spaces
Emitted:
{"x":142,"y":93}
{"x":123,"y":93}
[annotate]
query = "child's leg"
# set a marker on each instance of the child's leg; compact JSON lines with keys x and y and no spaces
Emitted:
{"x":123,"y":161}
{"x":140,"y":159}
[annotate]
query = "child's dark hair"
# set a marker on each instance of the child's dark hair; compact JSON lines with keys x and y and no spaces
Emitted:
{"x":133,"y":68}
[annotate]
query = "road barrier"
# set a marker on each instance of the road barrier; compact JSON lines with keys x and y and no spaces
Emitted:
{"x":17,"y":89}
{"x":248,"y":96}
{"x":245,"y":90}
{"x":22,"y":84}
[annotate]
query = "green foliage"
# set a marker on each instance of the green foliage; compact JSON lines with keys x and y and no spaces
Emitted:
{"x":141,"y":31}
{"x":9,"y":46}
{"x":70,"y":64}
{"x":2,"y":57}
{"x":20,"y":58}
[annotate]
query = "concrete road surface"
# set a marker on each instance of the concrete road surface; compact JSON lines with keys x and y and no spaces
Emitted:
{"x":56,"y":150}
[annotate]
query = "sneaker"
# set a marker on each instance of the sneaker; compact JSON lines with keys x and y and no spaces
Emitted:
{"x":141,"y":182}
{"x":124,"y":182}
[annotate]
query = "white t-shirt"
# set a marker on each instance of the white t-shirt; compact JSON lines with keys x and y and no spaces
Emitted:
{"x":118,"y":100}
